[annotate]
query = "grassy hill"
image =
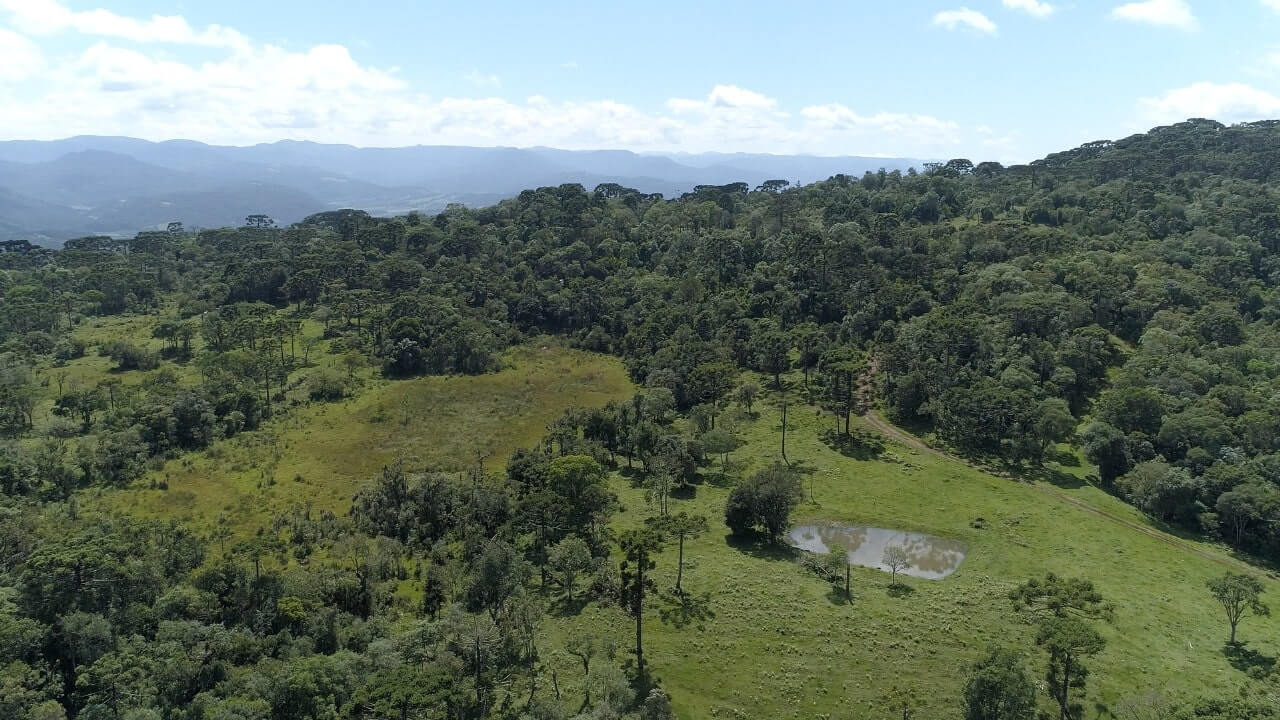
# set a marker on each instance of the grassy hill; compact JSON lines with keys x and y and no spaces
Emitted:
{"x":761,"y":636}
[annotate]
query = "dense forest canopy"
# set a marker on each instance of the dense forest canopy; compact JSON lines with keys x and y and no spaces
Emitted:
{"x":1120,"y":298}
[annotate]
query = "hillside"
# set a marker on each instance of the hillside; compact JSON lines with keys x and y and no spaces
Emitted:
{"x":548,"y":458}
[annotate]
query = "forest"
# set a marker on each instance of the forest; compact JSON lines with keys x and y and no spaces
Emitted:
{"x":1104,"y":318}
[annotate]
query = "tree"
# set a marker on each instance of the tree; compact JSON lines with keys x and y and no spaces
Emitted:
{"x":81,"y":403}
{"x":569,"y":558}
{"x":896,"y":559}
{"x":1061,"y":608}
{"x":657,"y":706}
{"x":580,"y":483}
{"x":658,"y":484}
{"x":259,"y":222}
{"x":746,"y":396}
{"x":836,"y":565}
{"x":433,"y":590}
{"x":1165,"y":491}
{"x":999,"y":688}
{"x":1106,"y":447}
{"x":1067,"y":640}
{"x":1246,"y":505}
{"x":582,"y":645}
{"x":1054,"y":423}
{"x":710,"y":382}
{"x":681,"y":526}
{"x":1239,"y":595}
{"x":407,"y":691}
{"x":720,"y":442}
{"x":810,"y":342}
{"x":638,"y":547}
{"x":764,"y":501}
{"x":772,"y":350}
{"x":495,"y":576}
{"x":840,"y":368}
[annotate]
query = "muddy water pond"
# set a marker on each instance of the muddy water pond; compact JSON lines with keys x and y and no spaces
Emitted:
{"x":932,"y":558}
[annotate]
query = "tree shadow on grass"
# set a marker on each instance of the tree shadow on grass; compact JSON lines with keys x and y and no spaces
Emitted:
{"x":859,"y":444}
{"x":1054,"y":477}
{"x":641,"y":683}
{"x":1245,"y":659}
{"x":681,"y":610}
{"x":723,"y":476}
{"x":1062,"y":457}
{"x":758,"y":546}
{"x":569,"y":608}
{"x":836,"y":596}
{"x":803,"y":467}
{"x":899,"y":590}
{"x":687,"y":491}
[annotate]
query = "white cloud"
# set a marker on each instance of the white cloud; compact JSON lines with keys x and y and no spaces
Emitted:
{"x":964,"y":17}
{"x":249,"y":92}
{"x":1227,"y":102}
{"x":1167,"y":13}
{"x":22,"y":59}
{"x":1035,"y":7}
{"x":1273,"y":4}
{"x":484,"y":80}
{"x":925,"y":129}
{"x":45,"y":17}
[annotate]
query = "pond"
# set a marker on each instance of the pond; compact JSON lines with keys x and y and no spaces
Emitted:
{"x":932,"y":558}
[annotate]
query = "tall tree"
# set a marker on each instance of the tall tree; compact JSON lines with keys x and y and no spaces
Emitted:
{"x":1062,"y":607}
{"x":681,"y":526}
{"x":1239,"y":595}
{"x":638,"y":546}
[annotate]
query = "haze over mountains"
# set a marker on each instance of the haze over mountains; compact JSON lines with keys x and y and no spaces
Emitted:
{"x":52,"y":190}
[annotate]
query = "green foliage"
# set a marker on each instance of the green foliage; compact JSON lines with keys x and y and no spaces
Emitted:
{"x":1238,"y":594}
{"x":569,"y":558}
{"x":763,"y":502}
{"x":328,"y":386}
{"x":999,"y":687}
{"x":1130,"y":284}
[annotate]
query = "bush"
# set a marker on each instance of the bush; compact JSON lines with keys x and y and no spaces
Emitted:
{"x":763,"y":502}
{"x":39,"y":342}
{"x":327,"y":386}
{"x":69,"y":349}
{"x":129,"y":356}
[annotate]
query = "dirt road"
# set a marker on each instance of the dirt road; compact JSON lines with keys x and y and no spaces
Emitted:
{"x":897,"y":435}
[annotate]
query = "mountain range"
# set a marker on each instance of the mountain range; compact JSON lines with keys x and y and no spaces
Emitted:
{"x":54,"y":190}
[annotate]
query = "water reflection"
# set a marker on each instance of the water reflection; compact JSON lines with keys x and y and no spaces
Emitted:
{"x":932,"y":558}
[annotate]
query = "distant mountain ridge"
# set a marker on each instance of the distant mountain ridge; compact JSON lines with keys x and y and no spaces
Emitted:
{"x":53,"y":190}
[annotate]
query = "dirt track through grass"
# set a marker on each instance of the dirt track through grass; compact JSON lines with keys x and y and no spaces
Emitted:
{"x":898,"y":435}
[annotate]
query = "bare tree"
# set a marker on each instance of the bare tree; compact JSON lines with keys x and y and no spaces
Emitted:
{"x":897,"y":560}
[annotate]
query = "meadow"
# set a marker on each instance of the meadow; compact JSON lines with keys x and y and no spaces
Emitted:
{"x":758,"y":636}
{"x":766,"y":638}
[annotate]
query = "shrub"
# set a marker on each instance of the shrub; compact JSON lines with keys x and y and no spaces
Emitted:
{"x":763,"y":502}
{"x":327,"y":386}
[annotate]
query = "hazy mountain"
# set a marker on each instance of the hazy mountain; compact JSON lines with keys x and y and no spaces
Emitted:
{"x":63,"y":188}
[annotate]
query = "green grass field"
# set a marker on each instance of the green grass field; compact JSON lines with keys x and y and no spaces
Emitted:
{"x":776,"y":641}
{"x":764,"y":638}
{"x":321,"y":454}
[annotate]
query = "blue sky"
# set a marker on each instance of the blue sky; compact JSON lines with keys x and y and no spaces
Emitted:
{"x":987,"y":79}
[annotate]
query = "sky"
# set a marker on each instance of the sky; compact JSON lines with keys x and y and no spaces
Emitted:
{"x":1006,"y":80}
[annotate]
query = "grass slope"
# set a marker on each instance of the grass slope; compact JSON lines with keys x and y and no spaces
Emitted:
{"x":775,"y":641}
{"x":764,"y":638}
{"x":322,"y":453}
